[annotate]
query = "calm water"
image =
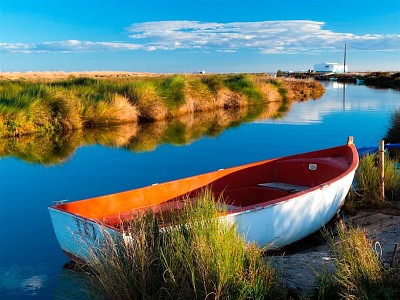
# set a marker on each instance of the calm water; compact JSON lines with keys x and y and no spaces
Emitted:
{"x":31,"y":262}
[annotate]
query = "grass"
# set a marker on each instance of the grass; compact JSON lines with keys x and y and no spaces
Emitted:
{"x":199,"y":257}
{"x":367,"y":189}
{"x":61,"y":105}
{"x":244,"y":84}
{"x":359,"y":273}
{"x":393,"y":133}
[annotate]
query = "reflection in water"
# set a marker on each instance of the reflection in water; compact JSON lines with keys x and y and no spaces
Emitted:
{"x":71,"y":284}
{"x":344,"y":95}
{"x":26,"y":280}
{"x":55,"y":149}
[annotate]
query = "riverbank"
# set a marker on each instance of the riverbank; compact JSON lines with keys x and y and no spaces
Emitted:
{"x":54,"y":102}
{"x":373,"y":79}
{"x":308,"y":259}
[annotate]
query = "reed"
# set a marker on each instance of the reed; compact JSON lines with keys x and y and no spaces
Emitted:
{"x":393,"y":132}
{"x":366,"y":192}
{"x":73,"y":103}
{"x":172,"y":91}
{"x":145,"y":94}
{"x":244,"y":84}
{"x":197,"y":257}
{"x":359,"y":273}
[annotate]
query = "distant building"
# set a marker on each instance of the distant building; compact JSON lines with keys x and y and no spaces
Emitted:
{"x":329,"y":68}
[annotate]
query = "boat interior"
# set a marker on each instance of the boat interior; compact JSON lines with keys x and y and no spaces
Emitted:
{"x":241,"y":188}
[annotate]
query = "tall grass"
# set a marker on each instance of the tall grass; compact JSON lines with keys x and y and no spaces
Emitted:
{"x":393,"y":133}
{"x":359,"y":272}
{"x":146,"y":95}
{"x":37,"y":106}
{"x":197,"y":257}
{"x":244,"y":83}
{"x":367,"y":192}
{"x":172,"y":91}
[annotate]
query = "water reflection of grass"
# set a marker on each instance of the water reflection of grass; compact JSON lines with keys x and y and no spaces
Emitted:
{"x":55,"y":148}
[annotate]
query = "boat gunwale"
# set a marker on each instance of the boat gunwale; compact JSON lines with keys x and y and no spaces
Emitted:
{"x":224,"y":172}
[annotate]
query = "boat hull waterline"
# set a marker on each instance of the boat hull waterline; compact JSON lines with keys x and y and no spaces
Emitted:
{"x":273,"y":203}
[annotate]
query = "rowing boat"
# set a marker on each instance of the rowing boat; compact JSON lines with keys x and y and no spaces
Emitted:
{"x":273,"y":203}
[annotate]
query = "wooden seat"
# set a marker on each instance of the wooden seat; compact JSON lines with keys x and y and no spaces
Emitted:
{"x":288,"y":187}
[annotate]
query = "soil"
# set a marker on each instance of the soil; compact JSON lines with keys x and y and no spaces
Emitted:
{"x":300,"y":263}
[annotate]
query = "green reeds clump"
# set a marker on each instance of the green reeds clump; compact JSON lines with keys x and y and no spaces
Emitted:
{"x":197,"y":256}
{"x":145,"y":94}
{"x":393,"y":133}
{"x":172,"y":90}
{"x":359,"y":273}
{"x":244,"y":84}
{"x":367,"y":191}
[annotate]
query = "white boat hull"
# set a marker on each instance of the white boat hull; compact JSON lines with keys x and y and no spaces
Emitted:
{"x":284,"y":223}
{"x":273,"y":226}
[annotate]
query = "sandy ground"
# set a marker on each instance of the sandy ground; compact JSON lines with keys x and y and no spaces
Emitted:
{"x":300,"y":264}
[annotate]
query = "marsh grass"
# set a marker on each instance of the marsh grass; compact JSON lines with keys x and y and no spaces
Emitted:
{"x":61,"y":105}
{"x":199,"y":256}
{"x":393,"y":132}
{"x":244,"y":84}
{"x":366,"y":192}
{"x":172,"y":91}
{"x":359,"y":273}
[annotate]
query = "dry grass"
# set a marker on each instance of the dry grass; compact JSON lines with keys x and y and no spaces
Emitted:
{"x":359,"y":272}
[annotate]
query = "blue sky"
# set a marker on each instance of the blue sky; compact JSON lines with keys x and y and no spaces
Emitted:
{"x":187,"y":36}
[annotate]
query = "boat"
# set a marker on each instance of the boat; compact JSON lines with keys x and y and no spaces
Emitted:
{"x":360,"y":81}
{"x":368,"y":150}
{"x":273,"y":203}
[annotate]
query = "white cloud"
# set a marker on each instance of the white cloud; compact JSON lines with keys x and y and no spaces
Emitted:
{"x":68,"y":46}
{"x":268,"y":37}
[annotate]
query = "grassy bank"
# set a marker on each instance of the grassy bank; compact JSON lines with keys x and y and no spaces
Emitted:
{"x":366,"y":192}
{"x":372,"y":79}
{"x":56,"y":147}
{"x":37,"y":106}
{"x":359,"y":272}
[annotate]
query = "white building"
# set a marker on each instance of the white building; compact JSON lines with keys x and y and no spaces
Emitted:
{"x":329,"y":67}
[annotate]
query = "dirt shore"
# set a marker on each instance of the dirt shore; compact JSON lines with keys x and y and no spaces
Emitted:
{"x":301,"y":264}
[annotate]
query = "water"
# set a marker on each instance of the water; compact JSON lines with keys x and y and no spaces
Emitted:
{"x":31,"y":262}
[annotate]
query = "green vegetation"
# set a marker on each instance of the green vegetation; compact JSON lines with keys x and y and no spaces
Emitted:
{"x":56,"y":147}
{"x":393,"y":133}
{"x":366,"y":192}
{"x":40,"y":106}
{"x":383,"y":79}
{"x":246,"y":85}
{"x":198,"y":257}
{"x":359,"y":273}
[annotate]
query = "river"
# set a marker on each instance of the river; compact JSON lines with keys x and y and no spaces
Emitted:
{"x":31,"y":261}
